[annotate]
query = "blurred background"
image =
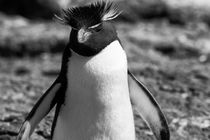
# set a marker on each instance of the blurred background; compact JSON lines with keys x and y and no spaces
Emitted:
{"x":168,"y":47}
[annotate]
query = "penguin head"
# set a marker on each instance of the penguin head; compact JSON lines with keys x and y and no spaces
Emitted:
{"x":91,"y":30}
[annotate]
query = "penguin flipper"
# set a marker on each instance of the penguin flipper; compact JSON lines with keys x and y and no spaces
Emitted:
{"x":46,"y":102}
{"x":148,"y":108}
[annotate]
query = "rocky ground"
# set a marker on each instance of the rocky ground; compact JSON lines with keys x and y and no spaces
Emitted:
{"x":170,"y":54}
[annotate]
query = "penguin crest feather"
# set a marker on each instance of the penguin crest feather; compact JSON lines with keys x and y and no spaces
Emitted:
{"x":89,"y":16}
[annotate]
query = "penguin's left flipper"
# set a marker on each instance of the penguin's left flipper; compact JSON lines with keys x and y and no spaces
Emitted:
{"x":41,"y":108}
{"x":148,"y":108}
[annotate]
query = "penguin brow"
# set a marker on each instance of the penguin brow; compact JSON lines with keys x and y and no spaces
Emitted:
{"x":89,"y":15}
{"x":94,"y":26}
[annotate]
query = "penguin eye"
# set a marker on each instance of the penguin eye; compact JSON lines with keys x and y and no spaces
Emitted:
{"x":98,"y":29}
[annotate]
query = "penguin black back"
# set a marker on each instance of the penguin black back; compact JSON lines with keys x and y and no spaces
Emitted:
{"x":91,"y":29}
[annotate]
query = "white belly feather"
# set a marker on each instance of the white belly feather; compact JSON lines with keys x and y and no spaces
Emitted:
{"x":97,"y":104}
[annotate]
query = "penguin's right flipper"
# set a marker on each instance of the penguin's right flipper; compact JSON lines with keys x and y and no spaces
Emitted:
{"x":148,"y":108}
{"x":41,"y":108}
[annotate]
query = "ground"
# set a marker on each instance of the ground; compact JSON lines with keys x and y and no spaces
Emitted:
{"x":171,"y":58}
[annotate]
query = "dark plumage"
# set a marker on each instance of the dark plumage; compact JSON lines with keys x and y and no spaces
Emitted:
{"x":89,"y":15}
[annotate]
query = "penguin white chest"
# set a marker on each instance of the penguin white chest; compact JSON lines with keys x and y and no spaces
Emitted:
{"x":97,"y":104}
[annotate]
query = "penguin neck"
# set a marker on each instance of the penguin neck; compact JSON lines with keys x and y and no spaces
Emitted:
{"x":91,"y":49}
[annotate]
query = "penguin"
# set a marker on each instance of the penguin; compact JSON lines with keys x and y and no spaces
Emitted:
{"x":95,"y":91}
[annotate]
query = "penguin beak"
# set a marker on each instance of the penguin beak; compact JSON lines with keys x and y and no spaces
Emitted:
{"x":83,"y":35}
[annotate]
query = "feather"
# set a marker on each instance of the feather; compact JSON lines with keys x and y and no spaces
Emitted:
{"x":90,"y":15}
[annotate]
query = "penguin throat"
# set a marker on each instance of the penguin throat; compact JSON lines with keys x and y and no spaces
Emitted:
{"x":86,"y":50}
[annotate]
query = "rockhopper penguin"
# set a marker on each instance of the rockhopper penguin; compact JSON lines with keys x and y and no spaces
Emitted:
{"x":95,"y":91}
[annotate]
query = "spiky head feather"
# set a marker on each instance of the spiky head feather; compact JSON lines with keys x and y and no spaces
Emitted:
{"x":90,"y":15}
